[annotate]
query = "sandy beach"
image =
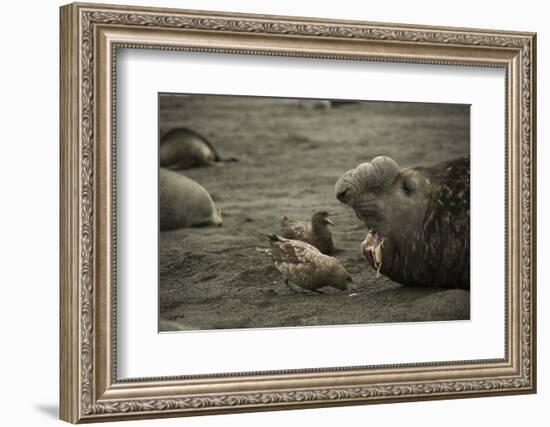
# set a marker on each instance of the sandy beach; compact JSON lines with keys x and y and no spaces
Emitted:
{"x":290,"y":156}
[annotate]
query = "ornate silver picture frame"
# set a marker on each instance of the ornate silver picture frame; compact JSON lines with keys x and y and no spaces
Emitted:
{"x":91,"y":36}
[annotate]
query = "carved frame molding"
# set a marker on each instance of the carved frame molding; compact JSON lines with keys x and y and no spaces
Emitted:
{"x":90,"y":37}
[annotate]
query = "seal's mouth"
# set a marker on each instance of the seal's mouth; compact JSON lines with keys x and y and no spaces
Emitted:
{"x":375,"y":224}
{"x":376,"y":251}
{"x":370,"y":258}
{"x":369,"y":214}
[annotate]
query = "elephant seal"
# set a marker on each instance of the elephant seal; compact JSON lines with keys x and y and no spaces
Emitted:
{"x":421,"y":213}
{"x":183,"y":148}
{"x":184,"y":203}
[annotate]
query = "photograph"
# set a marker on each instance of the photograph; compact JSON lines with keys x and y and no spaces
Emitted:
{"x":268,"y":212}
{"x":280,"y":212}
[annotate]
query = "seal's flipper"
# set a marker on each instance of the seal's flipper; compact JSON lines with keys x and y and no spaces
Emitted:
{"x":230,"y":159}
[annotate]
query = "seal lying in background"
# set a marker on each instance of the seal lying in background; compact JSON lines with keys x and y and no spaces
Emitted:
{"x":305,"y":266}
{"x":421,"y":213}
{"x":184,"y":203}
{"x":316,"y":232}
{"x":183,"y":148}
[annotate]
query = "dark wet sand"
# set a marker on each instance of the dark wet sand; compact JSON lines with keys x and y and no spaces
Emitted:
{"x":290,"y":158}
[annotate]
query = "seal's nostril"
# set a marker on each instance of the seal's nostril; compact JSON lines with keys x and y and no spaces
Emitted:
{"x":342,"y":195}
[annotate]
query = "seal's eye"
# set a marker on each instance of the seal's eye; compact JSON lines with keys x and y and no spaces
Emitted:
{"x":406,"y":188}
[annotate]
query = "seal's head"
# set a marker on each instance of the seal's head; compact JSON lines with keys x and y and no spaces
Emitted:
{"x":418,"y":212}
{"x":387,"y":199}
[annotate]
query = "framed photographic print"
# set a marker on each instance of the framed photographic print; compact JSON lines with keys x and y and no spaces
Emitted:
{"x":265,"y":212}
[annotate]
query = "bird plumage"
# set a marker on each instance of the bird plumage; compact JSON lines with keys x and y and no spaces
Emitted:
{"x":305,"y":266}
{"x":316,"y":232}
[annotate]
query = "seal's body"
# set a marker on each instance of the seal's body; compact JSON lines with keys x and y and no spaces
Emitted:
{"x":421,"y":213}
{"x":183,"y":148}
{"x":184,"y":203}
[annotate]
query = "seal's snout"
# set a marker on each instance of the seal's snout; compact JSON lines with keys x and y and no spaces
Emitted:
{"x":343,"y":187}
{"x":343,"y":194}
{"x":365,"y":177}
